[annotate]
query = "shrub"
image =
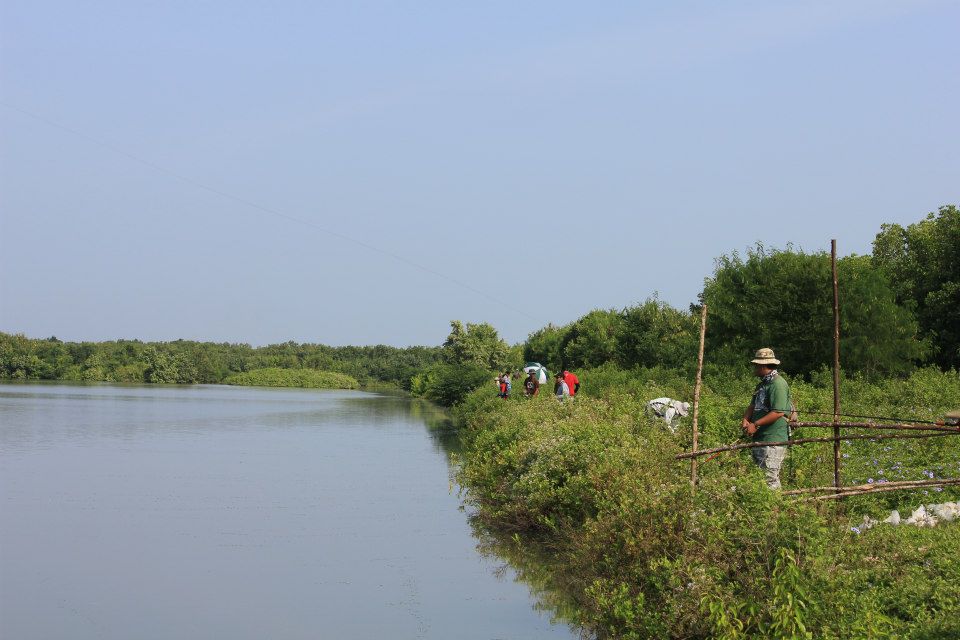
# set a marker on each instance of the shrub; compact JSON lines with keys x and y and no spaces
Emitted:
{"x":594,"y":485}
{"x":306,"y":378}
{"x":449,"y":384}
{"x":783,"y":299}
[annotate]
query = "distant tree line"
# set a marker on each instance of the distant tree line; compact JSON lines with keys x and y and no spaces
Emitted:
{"x":188,"y":362}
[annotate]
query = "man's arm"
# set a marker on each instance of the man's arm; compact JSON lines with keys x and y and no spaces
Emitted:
{"x":770,"y":418}
{"x":751,"y":427}
{"x":747,"y":415}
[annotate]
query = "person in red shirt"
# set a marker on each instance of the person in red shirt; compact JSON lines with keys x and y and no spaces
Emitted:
{"x":572,"y":381}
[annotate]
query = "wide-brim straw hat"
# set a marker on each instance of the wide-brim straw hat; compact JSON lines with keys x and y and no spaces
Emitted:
{"x":765,"y":356}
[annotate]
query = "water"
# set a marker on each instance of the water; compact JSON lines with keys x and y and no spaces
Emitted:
{"x":228,"y":512}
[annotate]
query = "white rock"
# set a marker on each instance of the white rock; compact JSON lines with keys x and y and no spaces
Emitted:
{"x":936,"y":509}
{"x":947,"y":511}
{"x":929,"y":515}
{"x":917,"y":516}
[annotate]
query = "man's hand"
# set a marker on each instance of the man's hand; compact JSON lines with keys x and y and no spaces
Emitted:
{"x":749,"y":427}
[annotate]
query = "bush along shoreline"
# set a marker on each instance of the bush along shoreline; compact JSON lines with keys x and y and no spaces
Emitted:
{"x":592,"y":488}
{"x":302,"y":378}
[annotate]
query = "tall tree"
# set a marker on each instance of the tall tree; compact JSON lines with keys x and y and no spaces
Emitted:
{"x":784,"y":299}
{"x":923,"y":264}
{"x":654,"y":333}
{"x":592,"y":340}
{"x":545,"y":346}
{"x":477,"y":344}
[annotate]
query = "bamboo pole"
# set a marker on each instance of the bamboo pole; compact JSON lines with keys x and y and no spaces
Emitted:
{"x":881,"y":489}
{"x":808,"y":412}
{"x":696,"y":396}
{"x":873,"y":425}
{"x":869,"y":487}
{"x":788,"y":443}
{"x":836,"y":366}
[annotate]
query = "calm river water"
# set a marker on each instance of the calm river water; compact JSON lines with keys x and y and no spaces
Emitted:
{"x":231,"y":512}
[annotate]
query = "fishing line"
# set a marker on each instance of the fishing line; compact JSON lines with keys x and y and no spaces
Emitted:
{"x":253,"y":205}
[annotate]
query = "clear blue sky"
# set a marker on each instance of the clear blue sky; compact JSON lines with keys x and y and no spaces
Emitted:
{"x":556,"y":157}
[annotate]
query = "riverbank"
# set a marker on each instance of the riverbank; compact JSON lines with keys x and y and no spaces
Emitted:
{"x":594,"y":485}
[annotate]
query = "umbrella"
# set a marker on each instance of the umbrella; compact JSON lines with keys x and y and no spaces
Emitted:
{"x":540,"y":370}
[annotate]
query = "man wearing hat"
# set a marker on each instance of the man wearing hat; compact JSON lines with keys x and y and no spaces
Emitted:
{"x":765,"y":420}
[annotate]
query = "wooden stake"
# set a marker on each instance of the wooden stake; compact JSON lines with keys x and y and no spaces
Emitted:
{"x":836,"y":366}
{"x":696,"y":396}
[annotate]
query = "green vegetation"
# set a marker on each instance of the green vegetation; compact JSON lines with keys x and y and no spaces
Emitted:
{"x":589,"y":502}
{"x":448,"y":384}
{"x":306,"y":378}
{"x":187,"y":362}
{"x":899,"y":309}
{"x":785,"y":298}
{"x":469,"y":356}
{"x":923,"y":264}
{"x":477,"y":344}
{"x":594,"y":485}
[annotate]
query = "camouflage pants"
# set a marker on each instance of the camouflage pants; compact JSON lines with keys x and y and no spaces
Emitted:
{"x":770,"y":459}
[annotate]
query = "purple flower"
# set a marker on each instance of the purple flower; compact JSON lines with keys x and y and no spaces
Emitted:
{"x":869,"y":480}
{"x":938,"y":489}
{"x":856,"y":530}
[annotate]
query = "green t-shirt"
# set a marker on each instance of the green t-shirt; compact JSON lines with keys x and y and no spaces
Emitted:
{"x":771,"y":396}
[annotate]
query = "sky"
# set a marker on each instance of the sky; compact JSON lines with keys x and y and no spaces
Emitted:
{"x":366,"y":172}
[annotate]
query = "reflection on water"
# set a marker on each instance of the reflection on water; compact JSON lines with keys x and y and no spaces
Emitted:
{"x":208,"y":511}
{"x":536,"y":566}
